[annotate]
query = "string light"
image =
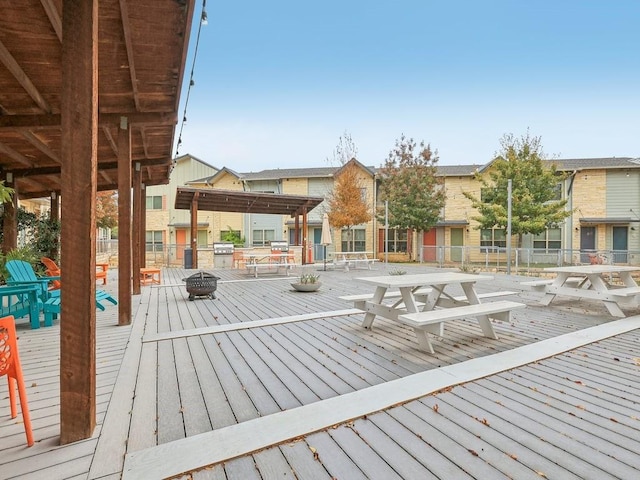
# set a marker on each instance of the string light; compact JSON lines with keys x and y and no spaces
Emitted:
{"x":203,"y":21}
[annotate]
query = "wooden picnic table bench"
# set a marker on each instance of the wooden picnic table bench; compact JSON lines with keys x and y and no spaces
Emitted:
{"x":422,"y":321}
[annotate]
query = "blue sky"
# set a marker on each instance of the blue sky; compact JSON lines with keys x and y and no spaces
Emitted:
{"x":277,"y":83}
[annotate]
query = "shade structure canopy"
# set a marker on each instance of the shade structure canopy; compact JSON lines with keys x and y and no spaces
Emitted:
{"x":219,"y":200}
{"x":142,"y":50}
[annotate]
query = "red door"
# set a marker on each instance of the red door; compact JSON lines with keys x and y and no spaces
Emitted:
{"x":429,"y":245}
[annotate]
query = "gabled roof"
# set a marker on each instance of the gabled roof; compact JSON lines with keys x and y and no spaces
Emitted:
{"x":596,"y":163}
{"x":191,"y":157}
{"x":457,"y":170}
{"x":277,"y":173}
{"x":210,"y":180}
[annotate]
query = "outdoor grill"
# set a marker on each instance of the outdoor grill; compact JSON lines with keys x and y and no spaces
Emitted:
{"x":223,"y":254}
{"x":201,"y":284}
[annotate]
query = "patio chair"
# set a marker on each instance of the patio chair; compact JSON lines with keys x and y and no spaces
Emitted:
{"x":53,"y":270}
{"x":10,"y":366}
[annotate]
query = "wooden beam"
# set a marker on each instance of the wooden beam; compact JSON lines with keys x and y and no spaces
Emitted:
{"x":55,"y":170}
{"x":79,"y":107}
{"x":54,"y":17}
{"x":34,"y":140}
{"x":112,"y":143}
{"x":124,"y":223}
{"x":25,"y":82}
{"x":34,"y":122}
{"x":128,"y":43}
{"x":138,"y":262}
{"x":18,"y":157}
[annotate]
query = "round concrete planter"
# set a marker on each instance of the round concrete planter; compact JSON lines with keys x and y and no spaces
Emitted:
{"x":306,"y":287}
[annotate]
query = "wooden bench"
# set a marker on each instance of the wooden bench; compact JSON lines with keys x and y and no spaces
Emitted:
{"x":52,"y":308}
{"x":422,"y":321}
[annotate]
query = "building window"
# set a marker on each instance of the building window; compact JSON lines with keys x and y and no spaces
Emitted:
{"x":492,"y":237}
{"x":262,"y":238}
{"x":550,"y":239}
{"x":202,"y":238}
{"x":154,"y":202}
{"x":154,"y":240}
{"x":397,"y":240}
{"x":354,"y":240}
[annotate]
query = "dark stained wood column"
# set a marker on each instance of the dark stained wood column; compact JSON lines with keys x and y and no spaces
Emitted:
{"x":194,"y":231}
{"x":10,"y":218}
{"x":79,"y":122}
{"x":137,"y":208}
{"x":304,"y":235}
{"x":124,"y":223}
{"x":54,"y":216}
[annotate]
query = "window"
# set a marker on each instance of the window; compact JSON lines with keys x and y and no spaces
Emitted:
{"x":262,"y":238}
{"x":397,"y":242}
{"x":550,"y":239}
{"x":202,"y":238}
{"x":354,"y":240}
{"x":154,"y":202}
{"x":492,"y":237}
{"x":154,"y":240}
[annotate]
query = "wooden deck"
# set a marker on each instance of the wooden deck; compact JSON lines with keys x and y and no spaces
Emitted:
{"x":223,"y":392}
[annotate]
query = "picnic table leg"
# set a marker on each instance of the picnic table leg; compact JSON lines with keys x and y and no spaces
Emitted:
{"x":423,"y":340}
{"x":483,"y":320}
{"x":599,"y":285}
{"x":377,"y":298}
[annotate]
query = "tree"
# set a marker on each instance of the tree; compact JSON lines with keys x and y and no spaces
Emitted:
{"x":344,"y":151}
{"x":6,"y":193}
{"x":415,"y":194}
{"x":347,"y":207}
{"x":107,"y":209}
{"x":535,"y":203}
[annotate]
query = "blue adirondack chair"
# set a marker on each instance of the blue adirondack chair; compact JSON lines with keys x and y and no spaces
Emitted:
{"x":22,"y":273}
{"x":20,"y":301}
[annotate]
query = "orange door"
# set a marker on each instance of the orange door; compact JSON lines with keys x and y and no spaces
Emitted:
{"x":429,"y":245}
{"x":181,"y":242}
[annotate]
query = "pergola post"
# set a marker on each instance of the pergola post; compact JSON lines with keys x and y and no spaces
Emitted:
{"x":137,"y":208}
{"x":79,"y":140}
{"x":304,"y":235}
{"x":10,"y":218}
{"x":124,"y":222}
{"x":194,"y":231}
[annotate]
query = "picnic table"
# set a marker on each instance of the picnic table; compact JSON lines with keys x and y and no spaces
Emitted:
{"x":274,"y":263}
{"x":419,"y":295}
{"x":590,"y":282}
{"x":353,"y":259}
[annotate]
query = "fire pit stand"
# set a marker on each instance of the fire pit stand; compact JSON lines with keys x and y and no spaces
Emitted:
{"x":201,"y":284}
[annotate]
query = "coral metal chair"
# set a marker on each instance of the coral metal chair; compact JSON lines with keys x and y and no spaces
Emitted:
{"x":10,"y":366}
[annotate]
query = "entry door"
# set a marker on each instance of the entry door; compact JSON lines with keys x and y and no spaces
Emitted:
{"x":318,"y":248}
{"x":181,"y":242}
{"x":620,"y":244}
{"x":429,"y":245}
{"x":457,"y":242}
{"x":587,"y":243}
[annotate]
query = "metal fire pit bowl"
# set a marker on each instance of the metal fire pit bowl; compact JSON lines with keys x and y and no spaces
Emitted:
{"x":201,"y":284}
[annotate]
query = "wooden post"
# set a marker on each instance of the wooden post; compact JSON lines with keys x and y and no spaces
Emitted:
{"x":10,"y":218}
{"x":79,"y":126}
{"x":194,"y":231}
{"x":54,"y":216}
{"x":304,"y":235}
{"x":137,"y":199}
{"x":124,"y":223}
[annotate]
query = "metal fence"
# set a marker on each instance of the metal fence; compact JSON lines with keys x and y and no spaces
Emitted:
{"x":523,"y":260}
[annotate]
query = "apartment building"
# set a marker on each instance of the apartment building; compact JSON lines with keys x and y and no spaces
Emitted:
{"x":603,"y":195}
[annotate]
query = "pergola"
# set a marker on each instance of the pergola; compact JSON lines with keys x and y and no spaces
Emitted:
{"x":218,"y":200}
{"x":89,"y":99}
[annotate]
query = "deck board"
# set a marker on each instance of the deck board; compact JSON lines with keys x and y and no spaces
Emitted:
{"x":229,"y":379}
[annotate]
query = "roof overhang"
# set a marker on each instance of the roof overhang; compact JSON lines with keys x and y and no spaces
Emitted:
{"x":610,"y":220}
{"x":218,"y":200}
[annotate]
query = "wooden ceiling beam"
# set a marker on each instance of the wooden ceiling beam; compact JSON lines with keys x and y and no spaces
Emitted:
{"x":23,"y":79}
{"x":54,"y":17}
{"x":18,"y":157}
{"x":55,"y":170}
{"x":33,"y":122}
{"x":126,"y":28}
{"x":34,"y":140}
{"x":109,"y":135}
